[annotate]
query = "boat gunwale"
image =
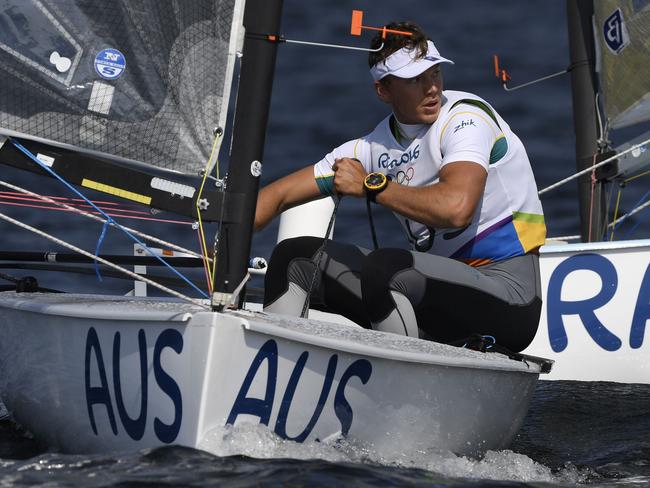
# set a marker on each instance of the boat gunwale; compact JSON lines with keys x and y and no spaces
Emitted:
{"x":263,"y":326}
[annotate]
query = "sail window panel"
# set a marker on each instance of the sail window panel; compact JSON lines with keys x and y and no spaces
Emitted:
{"x":145,"y":81}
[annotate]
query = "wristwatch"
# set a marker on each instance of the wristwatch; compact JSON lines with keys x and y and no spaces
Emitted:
{"x":374,"y":183}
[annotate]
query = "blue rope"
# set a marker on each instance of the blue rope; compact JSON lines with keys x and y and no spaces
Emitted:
{"x":109,"y":220}
{"x":99,"y":244}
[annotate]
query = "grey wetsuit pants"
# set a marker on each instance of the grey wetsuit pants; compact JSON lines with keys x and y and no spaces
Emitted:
{"x":408,"y":292}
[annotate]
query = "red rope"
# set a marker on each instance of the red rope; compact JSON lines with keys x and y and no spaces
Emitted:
{"x":113,"y":214}
{"x":28,"y":198}
{"x":61,"y":198}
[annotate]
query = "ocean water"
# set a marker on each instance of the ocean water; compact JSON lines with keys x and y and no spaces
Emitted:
{"x":596,"y":434}
{"x":593,"y":434}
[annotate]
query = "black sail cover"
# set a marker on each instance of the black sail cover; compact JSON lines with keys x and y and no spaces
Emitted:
{"x":144,"y":80}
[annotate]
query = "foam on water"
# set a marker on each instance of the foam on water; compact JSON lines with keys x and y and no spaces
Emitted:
{"x":258,"y":441}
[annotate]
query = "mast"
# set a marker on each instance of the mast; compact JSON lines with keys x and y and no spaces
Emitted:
{"x":261,"y":19}
{"x":584,"y":89}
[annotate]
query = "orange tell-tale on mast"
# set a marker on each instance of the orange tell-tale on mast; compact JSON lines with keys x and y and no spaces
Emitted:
{"x":357,"y":26}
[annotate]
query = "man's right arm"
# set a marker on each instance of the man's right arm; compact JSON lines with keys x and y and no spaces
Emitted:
{"x":287,"y":192}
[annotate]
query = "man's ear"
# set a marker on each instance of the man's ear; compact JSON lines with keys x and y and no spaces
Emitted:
{"x":382,"y":92}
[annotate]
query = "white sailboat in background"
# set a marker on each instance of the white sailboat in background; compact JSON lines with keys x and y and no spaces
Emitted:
{"x":597,"y":293}
{"x":126,"y":101}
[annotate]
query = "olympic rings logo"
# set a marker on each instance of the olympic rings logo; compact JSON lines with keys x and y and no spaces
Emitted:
{"x":405,"y":177}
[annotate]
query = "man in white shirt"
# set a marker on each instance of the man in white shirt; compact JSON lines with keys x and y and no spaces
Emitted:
{"x":458,"y":180}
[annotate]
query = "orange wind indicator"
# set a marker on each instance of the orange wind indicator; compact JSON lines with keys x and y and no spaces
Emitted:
{"x":357,"y":26}
{"x":503,"y":75}
{"x":355,"y":29}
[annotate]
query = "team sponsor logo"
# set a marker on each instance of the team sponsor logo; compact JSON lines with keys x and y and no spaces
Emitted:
{"x":110,"y":64}
{"x":463,"y":124}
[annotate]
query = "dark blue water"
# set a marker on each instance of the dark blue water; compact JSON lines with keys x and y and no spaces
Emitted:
{"x":575,"y":433}
{"x":596,"y":434}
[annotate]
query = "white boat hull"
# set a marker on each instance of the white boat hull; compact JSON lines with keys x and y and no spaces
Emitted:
{"x":98,"y":374}
{"x":595,"y":313}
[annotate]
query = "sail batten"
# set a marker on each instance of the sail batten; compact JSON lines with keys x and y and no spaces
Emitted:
{"x":622,"y":32}
{"x":146,"y":81}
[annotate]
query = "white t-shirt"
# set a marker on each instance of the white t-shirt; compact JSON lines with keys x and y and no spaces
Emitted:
{"x":509,"y":220}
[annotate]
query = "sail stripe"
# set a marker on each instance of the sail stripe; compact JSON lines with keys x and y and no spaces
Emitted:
{"x":118,"y":192}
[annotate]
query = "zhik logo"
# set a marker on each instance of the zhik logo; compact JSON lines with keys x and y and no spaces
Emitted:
{"x":463,"y":124}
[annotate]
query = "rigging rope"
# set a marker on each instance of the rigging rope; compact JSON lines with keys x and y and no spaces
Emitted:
{"x":592,"y":168}
{"x":28,"y":153}
{"x":13,"y":199}
{"x":101,"y":220}
{"x":618,"y":202}
{"x":103,"y":261}
{"x":209,"y":166}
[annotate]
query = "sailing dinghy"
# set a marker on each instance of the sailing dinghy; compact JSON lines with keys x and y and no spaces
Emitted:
{"x":124,"y":98}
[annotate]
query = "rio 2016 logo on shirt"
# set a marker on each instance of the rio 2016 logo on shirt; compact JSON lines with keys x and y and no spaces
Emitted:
{"x":384,"y":160}
{"x":110,"y":64}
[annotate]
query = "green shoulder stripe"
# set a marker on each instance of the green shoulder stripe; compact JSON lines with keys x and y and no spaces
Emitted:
{"x":500,"y":147}
{"x":479,"y":104}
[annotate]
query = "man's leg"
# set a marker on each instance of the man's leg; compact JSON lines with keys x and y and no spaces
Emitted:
{"x":448,"y":300}
{"x":337,"y":283}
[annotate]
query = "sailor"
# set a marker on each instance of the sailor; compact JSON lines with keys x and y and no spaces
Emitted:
{"x":460,"y":183}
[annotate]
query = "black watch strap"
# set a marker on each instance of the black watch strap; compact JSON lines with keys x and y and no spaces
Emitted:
{"x":374,"y":184}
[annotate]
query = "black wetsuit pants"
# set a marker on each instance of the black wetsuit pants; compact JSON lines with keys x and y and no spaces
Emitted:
{"x":408,"y":292}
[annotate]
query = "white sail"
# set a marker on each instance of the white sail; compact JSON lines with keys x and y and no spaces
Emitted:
{"x":622,"y":30}
{"x":147,"y":81}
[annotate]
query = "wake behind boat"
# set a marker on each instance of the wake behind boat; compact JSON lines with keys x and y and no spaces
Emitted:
{"x":136,"y":114}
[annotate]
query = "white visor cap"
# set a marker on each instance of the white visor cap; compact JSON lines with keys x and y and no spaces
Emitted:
{"x":405,"y":64}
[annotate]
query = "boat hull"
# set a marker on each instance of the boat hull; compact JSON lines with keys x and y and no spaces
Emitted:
{"x":596,"y":306}
{"x":92,"y":374}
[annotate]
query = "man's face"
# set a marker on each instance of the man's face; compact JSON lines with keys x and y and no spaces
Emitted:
{"x":414,"y":100}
